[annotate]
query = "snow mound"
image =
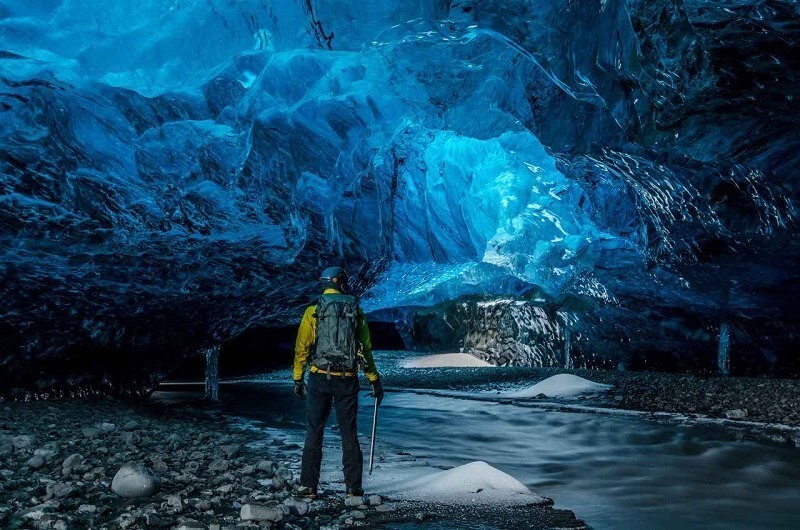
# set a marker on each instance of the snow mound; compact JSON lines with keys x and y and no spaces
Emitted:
{"x":446,"y":360}
{"x":561,"y":385}
{"x":473,"y":483}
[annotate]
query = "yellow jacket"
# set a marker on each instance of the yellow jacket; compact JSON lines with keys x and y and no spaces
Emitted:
{"x":307,"y":334}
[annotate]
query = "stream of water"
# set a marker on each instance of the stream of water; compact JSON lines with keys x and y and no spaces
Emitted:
{"x":613,"y":471}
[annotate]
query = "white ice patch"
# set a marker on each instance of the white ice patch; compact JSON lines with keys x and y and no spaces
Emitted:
{"x":445,"y":360}
{"x":561,"y":385}
{"x":473,"y":483}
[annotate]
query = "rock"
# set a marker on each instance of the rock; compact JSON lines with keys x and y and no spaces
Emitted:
{"x":736,"y":414}
{"x":189,"y":525}
{"x":135,"y":480}
{"x":87,"y":509}
{"x":6,"y":448}
{"x":131,"y":438}
{"x":296,"y":507}
{"x":218,"y":466}
{"x":385,"y":508}
{"x":23,"y":441}
{"x":48,"y":451}
{"x":70,"y":463}
{"x":60,"y":490}
{"x":374,"y":500}
{"x":107,"y":427}
{"x":248,"y":470}
{"x":258,"y":512}
{"x":152,"y":519}
{"x":60,"y":525}
{"x":225,"y":488}
{"x":278,"y":482}
{"x":354,"y":501}
{"x":358,"y":514}
{"x":91,"y":432}
{"x":230,"y":450}
{"x":267,"y":467}
{"x":36,"y":462}
{"x":175,"y":501}
{"x":131,"y":426}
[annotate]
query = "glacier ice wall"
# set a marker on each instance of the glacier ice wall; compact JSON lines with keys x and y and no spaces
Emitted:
{"x":174,"y":173}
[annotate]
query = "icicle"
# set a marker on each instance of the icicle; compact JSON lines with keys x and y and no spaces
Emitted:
{"x":212,"y":373}
{"x":724,"y":349}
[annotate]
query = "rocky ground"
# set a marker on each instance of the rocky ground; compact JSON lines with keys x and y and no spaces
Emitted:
{"x":105,"y":463}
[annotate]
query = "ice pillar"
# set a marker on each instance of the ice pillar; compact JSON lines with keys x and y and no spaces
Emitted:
{"x":212,"y":373}
{"x":724,"y":348}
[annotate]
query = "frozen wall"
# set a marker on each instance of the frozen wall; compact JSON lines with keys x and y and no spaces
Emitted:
{"x":173,"y":173}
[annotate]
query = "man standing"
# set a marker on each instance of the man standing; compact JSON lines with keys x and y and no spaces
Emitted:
{"x":335,"y":335}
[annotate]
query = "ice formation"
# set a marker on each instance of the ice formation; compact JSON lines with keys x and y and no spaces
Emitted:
{"x":621,"y":173}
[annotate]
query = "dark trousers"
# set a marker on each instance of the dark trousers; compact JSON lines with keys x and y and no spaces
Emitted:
{"x":342,"y":392}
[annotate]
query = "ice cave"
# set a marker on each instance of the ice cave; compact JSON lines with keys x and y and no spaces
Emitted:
{"x":518,"y":189}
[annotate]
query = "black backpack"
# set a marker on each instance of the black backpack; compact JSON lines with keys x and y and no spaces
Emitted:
{"x":337,"y":345}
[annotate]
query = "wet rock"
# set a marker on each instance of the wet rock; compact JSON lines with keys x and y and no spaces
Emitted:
{"x":279,"y":483}
{"x":48,"y":451}
{"x":60,"y":490}
{"x":296,"y":507}
{"x":258,"y":512}
{"x":91,"y":432}
{"x":374,"y":500}
{"x":219,"y":465}
{"x":736,"y":414}
{"x":22,"y":441}
{"x":189,"y":525}
{"x":131,"y":426}
{"x":230,"y":450}
{"x":36,"y":462}
{"x":71,"y":463}
{"x":267,"y":467}
{"x":175,"y":502}
{"x":354,"y":501}
{"x":134,"y":480}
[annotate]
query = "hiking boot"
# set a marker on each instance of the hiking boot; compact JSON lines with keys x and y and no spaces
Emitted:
{"x":306,"y":492}
{"x":355,"y":492}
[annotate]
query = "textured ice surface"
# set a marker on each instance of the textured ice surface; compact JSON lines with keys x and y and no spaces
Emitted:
{"x":561,"y":385}
{"x":173,"y":173}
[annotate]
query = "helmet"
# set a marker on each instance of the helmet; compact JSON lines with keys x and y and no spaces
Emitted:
{"x":334,"y":277}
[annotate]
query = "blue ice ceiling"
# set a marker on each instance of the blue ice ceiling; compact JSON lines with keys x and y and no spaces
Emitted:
{"x":174,"y":173}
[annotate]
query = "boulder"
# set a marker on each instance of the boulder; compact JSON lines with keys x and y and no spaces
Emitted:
{"x":135,"y":480}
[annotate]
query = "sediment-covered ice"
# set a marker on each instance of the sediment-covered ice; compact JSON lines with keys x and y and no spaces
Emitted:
{"x":561,"y":385}
{"x":473,"y":483}
{"x":446,"y":360}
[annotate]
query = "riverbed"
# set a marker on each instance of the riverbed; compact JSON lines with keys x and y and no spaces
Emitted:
{"x":613,"y":469}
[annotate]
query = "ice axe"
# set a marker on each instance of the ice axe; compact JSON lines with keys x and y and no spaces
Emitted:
{"x":374,"y":431}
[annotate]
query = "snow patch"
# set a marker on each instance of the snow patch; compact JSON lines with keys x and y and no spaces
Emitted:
{"x":473,"y":483}
{"x":561,"y":385}
{"x":446,"y":360}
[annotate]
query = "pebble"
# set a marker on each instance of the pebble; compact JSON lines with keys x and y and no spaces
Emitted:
{"x":736,"y":414}
{"x":358,"y":514}
{"x":135,"y":480}
{"x":374,"y":500}
{"x":258,"y":512}
{"x":91,"y":432}
{"x":385,"y":508}
{"x":87,"y":508}
{"x":131,"y":426}
{"x":70,"y":463}
{"x":23,"y":441}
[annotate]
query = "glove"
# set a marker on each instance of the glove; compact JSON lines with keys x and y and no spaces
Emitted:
{"x":377,"y":390}
{"x":300,"y":388}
